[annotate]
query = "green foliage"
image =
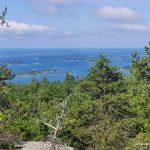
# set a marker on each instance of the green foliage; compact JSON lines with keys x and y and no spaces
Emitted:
{"x":104,"y":77}
{"x":5,"y":74}
{"x":69,"y":77}
{"x":102,"y":72}
{"x":105,"y":111}
{"x":7,"y":144}
{"x":141,"y":66}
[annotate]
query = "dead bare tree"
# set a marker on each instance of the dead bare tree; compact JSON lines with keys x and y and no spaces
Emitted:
{"x":59,"y":120}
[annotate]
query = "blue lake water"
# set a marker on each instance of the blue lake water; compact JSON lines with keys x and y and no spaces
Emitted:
{"x":55,"y":63}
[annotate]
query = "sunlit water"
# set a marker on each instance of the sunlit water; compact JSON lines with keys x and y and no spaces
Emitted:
{"x":55,"y":63}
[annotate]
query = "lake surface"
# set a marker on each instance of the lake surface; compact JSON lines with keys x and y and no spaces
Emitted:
{"x":55,"y":63}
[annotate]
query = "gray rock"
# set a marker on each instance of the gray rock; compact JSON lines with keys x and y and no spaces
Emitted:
{"x":43,"y":145}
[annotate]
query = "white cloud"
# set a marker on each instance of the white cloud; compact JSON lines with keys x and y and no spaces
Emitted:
{"x":121,"y":30}
{"x":23,"y":27}
{"x":33,"y":32}
{"x":117,"y":14}
{"x":23,"y":30}
{"x":136,"y":28}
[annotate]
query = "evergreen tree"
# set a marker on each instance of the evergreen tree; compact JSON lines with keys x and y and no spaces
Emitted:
{"x":5,"y":74}
{"x":69,"y":77}
{"x":140,"y":69}
{"x":104,"y":76}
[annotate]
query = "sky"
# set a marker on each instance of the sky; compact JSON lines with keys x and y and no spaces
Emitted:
{"x":76,"y":24}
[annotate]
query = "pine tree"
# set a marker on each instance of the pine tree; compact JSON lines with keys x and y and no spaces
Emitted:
{"x":5,"y":74}
{"x":104,"y":76}
{"x":140,"y":69}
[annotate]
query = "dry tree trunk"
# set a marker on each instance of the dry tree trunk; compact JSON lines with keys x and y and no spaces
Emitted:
{"x":59,"y":120}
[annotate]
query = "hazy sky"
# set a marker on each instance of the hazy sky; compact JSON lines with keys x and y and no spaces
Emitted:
{"x":76,"y":23}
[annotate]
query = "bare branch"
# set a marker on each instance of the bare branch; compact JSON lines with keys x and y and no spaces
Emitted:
{"x":49,"y":125}
{"x":59,"y":119}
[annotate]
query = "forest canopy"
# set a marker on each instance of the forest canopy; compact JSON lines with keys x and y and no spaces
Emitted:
{"x":105,"y":110}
